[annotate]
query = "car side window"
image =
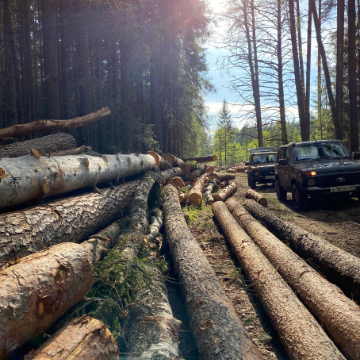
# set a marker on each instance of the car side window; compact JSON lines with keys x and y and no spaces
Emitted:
{"x":280,"y":154}
{"x":286,"y":154}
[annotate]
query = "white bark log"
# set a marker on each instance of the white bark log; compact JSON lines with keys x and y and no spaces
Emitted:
{"x":31,"y":178}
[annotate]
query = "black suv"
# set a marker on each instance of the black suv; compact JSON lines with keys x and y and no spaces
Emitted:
{"x":314,"y":170}
{"x":261,"y":168}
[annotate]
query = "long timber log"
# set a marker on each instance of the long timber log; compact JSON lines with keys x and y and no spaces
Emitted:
{"x":168,"y":174}
{"x":339,"y":266}
{"x":226,"y":192}
{"x":32,"y":299}
{"x":51,"y":125}
{"x":337,"y":313}
{"x":33,"y":178}
{"x":218,"y":331}
{"x":254,"y":195}
{"x":302,"y":337}
{"x":161,"y":163}
{"x":73,"y":219}
{"x":222,"y":176}
{"x":196,"y":193}
{"x":210,"y":188}
{"x":198,"y":172}
{"x":83,"y":338}
{"x":202,"y":159}
{"x":46,"y":144}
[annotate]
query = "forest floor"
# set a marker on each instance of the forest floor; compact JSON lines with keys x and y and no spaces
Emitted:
{"x":337,"y":222}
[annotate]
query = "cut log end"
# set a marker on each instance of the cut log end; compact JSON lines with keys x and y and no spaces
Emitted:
{"x":35,"y":153}
{"x":251,"y":194}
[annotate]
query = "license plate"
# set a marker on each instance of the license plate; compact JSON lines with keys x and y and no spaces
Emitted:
{"x":269,"y":177}
{"x":343,"y":188}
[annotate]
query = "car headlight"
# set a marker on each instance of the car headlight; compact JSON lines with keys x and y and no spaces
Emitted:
{"x":311,"y":182}
{"x":256,"y":173}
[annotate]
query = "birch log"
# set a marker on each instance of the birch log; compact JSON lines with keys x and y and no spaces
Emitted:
{"x":33,"y":298}
{"x":254,"y":195}
{"x":45,"y":144}
{"x":51,"y":125}
{"x":302,"y":337}
{"x":84,"y":338}
{"x":218,"y":331}
{"x":226,"y":192}
{"x":31,"y":178}
{"x":338,"y":314}
{"x":72,"y":219}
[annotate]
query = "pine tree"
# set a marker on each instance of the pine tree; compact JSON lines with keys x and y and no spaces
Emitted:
{"x":226,"y":126}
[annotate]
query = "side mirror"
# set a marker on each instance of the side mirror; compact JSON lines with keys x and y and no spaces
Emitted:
{"x":282,"y":162}
{"x":247,"y":163}
{"x":356,"y":155}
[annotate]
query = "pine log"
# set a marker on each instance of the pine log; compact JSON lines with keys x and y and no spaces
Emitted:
{"x":45,"y":144}
{"x":82,"y":338}
{"x":222,"y":176}
{"x":32,"y":299}
{"x":210,"y":188}
{"x":74,"y":151}
{"x":168,"y":174}
{"x":241,"y":168}
{"x":226,"y":192}
{"x":339,"y":266}
{"x":177,"y":162}
{"x":302,"y":337}
{"x":338,"y":314}
{"x":72,"y":219}
{"x":161,"y":163}
{"x":223,"y":184}
{"x":202,"y":159}
{"x":51,"y":125}
{"x":209,"y":168}
{"x":31,"y":178}
{"x":177,"y":182}
{"x":199,"y":171}
{"x":252,"y":194}
{"x":218,"y":331}
{"x":231,"y":171}
{"x":196,"y":193}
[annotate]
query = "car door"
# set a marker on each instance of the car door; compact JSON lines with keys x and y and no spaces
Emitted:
{"x":286,"y":170}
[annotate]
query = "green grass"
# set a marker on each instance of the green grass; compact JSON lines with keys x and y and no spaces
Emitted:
{"x":249,"y":320}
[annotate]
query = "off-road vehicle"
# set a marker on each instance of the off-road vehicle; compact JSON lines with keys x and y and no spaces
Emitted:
{"x":261,"y":168}
{"x":316,"y":170}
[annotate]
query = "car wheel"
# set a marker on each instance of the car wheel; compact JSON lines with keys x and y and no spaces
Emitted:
{"x":299,"y":199}
{"x":280,"y":191}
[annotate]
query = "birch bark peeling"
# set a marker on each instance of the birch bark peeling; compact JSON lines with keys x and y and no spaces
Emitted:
{"x":51,"y":125}
{"x":338,"y":314}
{"x":73,"y":219}
{"x":32,"y":299}
{"x":251,"y":194}
{"x":84,"y":338}
{"x":301,"y":335}
{"x":64,"y":174}
{"x":338,"y":265}
{"x":218,"y":331}
{"x":196,"y":193}
{"x":226,"y":192}
{"x":46,"y":144}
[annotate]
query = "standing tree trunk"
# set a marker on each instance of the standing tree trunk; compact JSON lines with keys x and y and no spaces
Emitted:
{"x":212,"y":315}
{"x":319,"y":84}
{"x":308,"y":69}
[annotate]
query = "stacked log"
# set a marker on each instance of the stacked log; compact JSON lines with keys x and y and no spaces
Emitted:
{"x":177,"y":182}
{"x":161,"y":163}
{"x":210,"y":188}
{"x":83,"y":338}
{"x":199,"y":170}
{"x":339,"y":266}
{"x":222,"y":176}
{"x":226,"y":192}
{"x":44,"y":145}
{"x":176,"y":162}
{"x":212,"y":315}
{"x":196,"y":193}
{"x":168,"y":174}
{"x":337,"y":313}
{"x":302,"y":337}
{"x":254,"y":195}
{"x":202,"y":159}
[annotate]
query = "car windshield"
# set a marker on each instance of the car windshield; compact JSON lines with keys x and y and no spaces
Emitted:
{"x":319,"y":151}
{"x":263,"y":159}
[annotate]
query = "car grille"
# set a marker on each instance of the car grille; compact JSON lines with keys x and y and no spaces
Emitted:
{"x":267,"y":172}
{"x":330,"y":181}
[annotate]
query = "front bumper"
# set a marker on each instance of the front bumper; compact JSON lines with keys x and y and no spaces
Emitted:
{"x":264,"y":178}
{"x":315,"y":191}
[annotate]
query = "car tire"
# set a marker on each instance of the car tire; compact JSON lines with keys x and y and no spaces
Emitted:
{"x":300,"y":201}
{"x":280,"y":191}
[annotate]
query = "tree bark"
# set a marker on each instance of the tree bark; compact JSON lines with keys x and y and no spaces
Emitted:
{"x":202,"y":159}
{"x":162,"y":163}
{"x":177,"y":182}
{"x":176,"y":162}
{"x":218,"y":331}
{"x":251,"y":194}
{"x":46,"y":144}
{"x":73,"y":219}
{"x":155,"y":226}
{"x":338,"y":314}
{"x":210,"y":188}
{"x":168,"y":174}
{"x":77,"y":151}
{"x":226,"y":192}
{"x":32,"y":299}
{"x":339,"y":266}
{"x":222,"y":176}
{"x":51,"y":125}
{"x":302,"y":337}
{"x":200,"y":170}
{"x":196,"y":193}
{"x":82,"y":338}
{"x":38,"y":178}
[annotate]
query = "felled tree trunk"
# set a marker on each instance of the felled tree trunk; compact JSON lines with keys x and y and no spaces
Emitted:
{"x":155,"y":225}
{"x":32,"y":178}
{"x":177,"y":182}
{"x":222,"y":176}
{"x":200,"y":170}
{"x":43,"y":145}
{"x":168,"y":174}
{"x":337,"y":313}
{"x":302,"y":337}
{"x":51,"y":125}
{"x":73,"y":219}
{"x":210,"y":188}
{"x":182,"y":197}
{"x":82,"y":338}
{"x":218,"y":332}
{"x":196,"y":193}
{"x":32,"y":299}
{"x":338,"y":265}
{"x":162,"y":163}
{"x":74,"y":151}
{"x":176,"y":162}
{"x":203,"y":159}
{"x":226,"y":192}
{"x":251,"y":194}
